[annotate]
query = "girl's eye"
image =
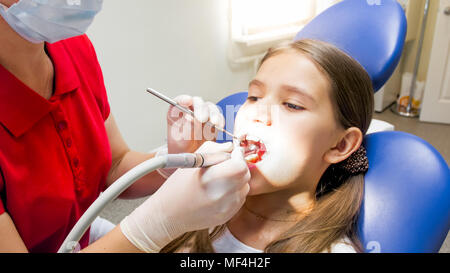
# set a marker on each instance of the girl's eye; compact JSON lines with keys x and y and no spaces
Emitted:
{"x":293,"y":106}
{"x":252,"y":98}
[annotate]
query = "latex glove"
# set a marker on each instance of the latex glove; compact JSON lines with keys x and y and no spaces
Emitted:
{"x":191,"y":199}
{"x":186,"y":134}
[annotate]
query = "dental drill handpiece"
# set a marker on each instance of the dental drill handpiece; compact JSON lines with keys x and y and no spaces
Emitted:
{"x":185,"y":110}
{"x":195,"y":160}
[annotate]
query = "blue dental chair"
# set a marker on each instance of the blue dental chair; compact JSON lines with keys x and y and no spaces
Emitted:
{"x":406,"y":206}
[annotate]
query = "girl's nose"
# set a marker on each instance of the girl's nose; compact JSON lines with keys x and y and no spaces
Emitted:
{"x":263,"y":115}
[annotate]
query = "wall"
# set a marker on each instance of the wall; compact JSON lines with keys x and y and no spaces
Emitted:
{"x":415,"y":17}
{"x":177,"y":47}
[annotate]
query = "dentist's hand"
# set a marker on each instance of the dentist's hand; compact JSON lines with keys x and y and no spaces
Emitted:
{"x":186,"y":134}
{"x":191,"y":199}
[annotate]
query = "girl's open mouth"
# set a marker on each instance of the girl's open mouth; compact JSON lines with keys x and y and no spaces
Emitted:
{"x":254,"y":149}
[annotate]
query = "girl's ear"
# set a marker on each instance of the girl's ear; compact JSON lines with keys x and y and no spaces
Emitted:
{"x":348,"y":143}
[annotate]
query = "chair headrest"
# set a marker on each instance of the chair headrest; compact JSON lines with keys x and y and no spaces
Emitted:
{"x":372,"y":32}
{"x":406,"y":205}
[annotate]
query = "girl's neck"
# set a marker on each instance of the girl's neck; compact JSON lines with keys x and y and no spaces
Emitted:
{"x":265,"y":217}
{"x":282,"y":206}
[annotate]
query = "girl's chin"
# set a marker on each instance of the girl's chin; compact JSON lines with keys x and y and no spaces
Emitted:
{"x":258,"y":187}
{"x":254,"y":189}
{"x":265,"y":179}
{"x":258,"y":184}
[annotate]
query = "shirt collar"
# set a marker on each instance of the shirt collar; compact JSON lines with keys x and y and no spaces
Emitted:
{"x":66,"y":76}
{"x":20,"y":106}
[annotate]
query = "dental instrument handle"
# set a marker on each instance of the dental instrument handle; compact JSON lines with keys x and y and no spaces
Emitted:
{"x":185,"y":160}
{"x":185,"y":110}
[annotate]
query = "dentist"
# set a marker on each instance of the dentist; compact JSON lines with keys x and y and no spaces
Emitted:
{"x":60,"y":146}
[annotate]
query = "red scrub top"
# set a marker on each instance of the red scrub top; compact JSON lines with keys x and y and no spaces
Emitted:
{"x":54,"y":154}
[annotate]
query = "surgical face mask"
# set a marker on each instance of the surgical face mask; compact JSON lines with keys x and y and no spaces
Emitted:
{"x":51,"y":20}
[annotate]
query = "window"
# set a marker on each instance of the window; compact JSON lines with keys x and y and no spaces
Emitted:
{"x":256,"y":25}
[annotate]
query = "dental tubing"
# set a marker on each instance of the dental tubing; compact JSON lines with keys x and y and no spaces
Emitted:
{"x":184,"y":160}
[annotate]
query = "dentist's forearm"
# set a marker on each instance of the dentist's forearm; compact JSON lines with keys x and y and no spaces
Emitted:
{"x":124,"y":159}
{"x":143,"y":187}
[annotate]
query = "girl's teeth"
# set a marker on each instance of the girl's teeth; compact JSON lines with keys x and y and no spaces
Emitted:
{"x":252,"y":147}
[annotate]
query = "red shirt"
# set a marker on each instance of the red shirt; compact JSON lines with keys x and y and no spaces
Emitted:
{"x":54,"y":154}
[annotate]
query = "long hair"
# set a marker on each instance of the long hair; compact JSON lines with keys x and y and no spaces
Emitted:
{"x":338,"y":198}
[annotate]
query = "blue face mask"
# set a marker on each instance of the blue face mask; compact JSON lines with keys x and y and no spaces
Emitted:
{"x":51,"y":20}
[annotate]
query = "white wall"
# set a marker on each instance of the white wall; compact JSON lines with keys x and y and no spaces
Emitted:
{"x":175,"y":46}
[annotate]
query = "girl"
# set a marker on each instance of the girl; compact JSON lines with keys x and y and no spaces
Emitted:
{"x":307,"y":111}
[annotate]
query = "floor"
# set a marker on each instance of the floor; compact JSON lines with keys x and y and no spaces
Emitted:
{"x":436,"y":134}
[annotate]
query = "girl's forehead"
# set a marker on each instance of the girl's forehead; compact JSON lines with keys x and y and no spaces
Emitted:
{"x":291,"y":63}
{"x":295,"y":71}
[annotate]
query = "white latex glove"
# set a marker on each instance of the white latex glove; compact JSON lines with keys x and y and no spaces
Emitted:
{"x":185,"y":134}
{"x":191,"y":199}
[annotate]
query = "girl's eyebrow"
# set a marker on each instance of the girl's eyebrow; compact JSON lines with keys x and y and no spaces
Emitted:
{"x":300,"y":92}
{"x":256,"y":82}
{"x":289,"y":88}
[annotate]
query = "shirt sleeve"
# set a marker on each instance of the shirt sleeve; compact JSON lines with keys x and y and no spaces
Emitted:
{"x":99,"y":88}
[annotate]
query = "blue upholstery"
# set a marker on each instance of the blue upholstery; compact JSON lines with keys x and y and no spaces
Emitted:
{"x":361,"y":26}
{"x":406,"y":206}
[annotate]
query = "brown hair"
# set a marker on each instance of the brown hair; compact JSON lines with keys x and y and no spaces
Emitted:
{"x":338,"y":197}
